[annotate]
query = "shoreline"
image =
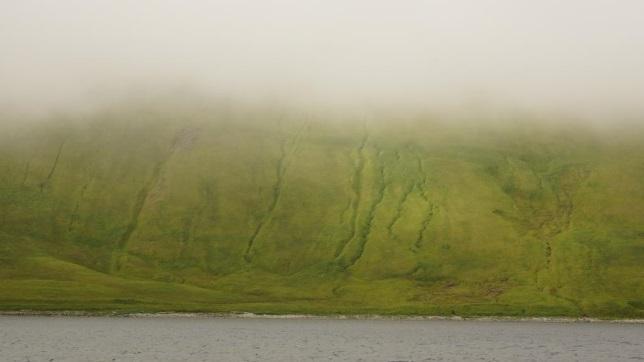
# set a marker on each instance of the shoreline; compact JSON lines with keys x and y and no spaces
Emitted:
{"x":245,"y":315}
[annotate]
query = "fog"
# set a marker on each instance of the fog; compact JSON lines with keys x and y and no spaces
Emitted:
{"x":584,"y":57}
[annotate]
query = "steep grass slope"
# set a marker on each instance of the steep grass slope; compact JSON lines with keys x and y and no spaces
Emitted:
{"x":153,"y":208}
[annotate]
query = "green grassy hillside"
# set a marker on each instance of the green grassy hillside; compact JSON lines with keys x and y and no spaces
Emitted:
{"x":153,"y":208}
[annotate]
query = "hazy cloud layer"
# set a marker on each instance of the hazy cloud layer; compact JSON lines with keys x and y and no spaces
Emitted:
{"x":585,"y":56}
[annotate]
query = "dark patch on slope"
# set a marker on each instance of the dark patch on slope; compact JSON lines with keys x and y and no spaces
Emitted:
{"x":547,"y":212}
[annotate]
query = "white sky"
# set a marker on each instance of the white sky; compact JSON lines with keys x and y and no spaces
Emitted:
{"x":584,"y":56}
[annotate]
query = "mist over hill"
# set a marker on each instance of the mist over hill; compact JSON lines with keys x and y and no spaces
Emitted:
{"x":471,"y":157}
{"x":190,"y":207}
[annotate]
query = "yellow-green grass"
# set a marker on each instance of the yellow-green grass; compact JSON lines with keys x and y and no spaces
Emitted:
{"x":156,"y":208}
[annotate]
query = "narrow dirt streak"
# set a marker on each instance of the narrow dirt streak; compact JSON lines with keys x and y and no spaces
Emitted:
{"x":46,"y":182}
{"x":363,"y":235}
{"x":275,"y":196}
{"x":288,"y":149}
{"x":141,"y":199}
{"x":357,"y":196}
{"x":422,"y":185}
{"x":399,"y":210}
{"x":26,"y":173}
{"x":184,"y":139}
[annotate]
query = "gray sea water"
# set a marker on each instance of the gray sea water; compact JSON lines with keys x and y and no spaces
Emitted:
{"x":41,"y":338}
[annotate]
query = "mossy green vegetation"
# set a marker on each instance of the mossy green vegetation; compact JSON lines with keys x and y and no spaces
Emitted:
{"x":156,"y":208}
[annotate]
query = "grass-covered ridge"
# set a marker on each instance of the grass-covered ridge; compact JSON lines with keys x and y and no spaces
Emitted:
{"x":152,"y":208}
